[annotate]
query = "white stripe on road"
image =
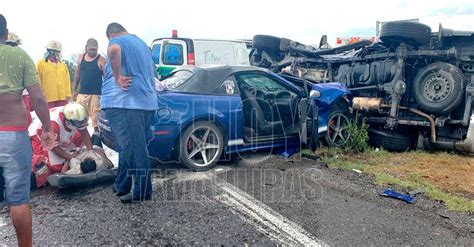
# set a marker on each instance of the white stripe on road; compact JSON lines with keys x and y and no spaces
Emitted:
{"x":266,"y":219}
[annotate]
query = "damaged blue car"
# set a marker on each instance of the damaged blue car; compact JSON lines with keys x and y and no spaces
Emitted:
{"x":205,"y":112}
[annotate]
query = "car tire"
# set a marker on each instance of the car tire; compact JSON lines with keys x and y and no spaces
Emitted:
{"x":439,"y":88}
{"x":338,"y":121}
{"x":193,"y":146}
{"x":391,"y":141}
{"x":266,"y":42}
{"x":284,"y":44}
{"x":412,"y":33}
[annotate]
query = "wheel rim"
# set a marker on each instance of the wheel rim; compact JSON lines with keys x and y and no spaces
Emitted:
{"x":338,"y":133}
{"x":202,"y":146}
{"x":437,"y":88}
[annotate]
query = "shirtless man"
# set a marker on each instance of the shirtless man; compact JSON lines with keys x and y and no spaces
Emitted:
{"x":17,"y":72}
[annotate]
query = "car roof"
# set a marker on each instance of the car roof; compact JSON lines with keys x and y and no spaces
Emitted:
{"x":217,"y":73}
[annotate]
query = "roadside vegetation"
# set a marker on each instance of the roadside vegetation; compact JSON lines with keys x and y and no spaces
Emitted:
{"x":446,"y":177}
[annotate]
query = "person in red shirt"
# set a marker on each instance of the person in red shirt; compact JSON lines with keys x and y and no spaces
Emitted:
{"x":69,"y":125}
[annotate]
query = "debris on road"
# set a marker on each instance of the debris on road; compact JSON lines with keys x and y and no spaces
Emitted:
{"x":358,"y":171}
{"x":416,"y":191}
{"x":398,"y":195}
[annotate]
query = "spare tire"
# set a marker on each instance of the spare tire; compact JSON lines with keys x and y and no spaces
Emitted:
{"x":439,"y":88}
{"x":266,"y":42}
{"x":413,"y":33}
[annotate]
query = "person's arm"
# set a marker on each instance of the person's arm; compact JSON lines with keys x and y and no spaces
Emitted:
{"x":39,"y":104}
{"x":102,"y":65}
{"x":115,"y":56}
{"x":61,"y":153}
{"x":77,"y":74}
{"x":86,"y":138}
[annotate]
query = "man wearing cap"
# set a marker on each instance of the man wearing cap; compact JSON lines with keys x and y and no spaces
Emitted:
{"x":88,"y":76}
{"x":17,"y":71}
{"x":54,"y":76}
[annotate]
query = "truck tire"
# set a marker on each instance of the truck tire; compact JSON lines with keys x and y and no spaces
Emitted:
{"x":391,"y":141}
{"x":439,"y":88}
{"x":266,"y":42}
{"x":412,"y":33}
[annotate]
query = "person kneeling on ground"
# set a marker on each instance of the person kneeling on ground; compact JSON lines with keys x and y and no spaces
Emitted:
{"x":69,"y":124}
{"x":86,"y":161}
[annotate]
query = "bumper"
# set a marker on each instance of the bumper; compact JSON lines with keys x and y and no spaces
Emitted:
{"x":160,"y":147}
{"x":468,"y":144}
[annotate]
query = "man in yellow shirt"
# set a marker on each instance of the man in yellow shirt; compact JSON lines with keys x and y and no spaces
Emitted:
{"x":54,"y":76}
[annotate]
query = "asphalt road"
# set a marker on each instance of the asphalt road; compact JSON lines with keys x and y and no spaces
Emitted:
{"x":257,"y":200}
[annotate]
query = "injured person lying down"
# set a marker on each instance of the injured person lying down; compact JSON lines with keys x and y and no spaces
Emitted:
{"x":86,"y":161}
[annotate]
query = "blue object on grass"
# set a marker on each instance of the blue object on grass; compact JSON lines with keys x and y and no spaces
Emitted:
{"x":398,"y":195}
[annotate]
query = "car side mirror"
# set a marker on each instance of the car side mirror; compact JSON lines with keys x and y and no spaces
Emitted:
{"x":324,"y":41}
{"x":314,"y":94}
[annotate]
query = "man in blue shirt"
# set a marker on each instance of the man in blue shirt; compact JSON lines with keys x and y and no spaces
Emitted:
{"x":129,"y":100}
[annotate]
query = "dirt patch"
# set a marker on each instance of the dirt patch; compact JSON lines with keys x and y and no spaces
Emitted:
{"x":450,"y":172}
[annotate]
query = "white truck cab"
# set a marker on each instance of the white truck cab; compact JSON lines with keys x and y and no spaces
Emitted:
{"x":170,"y":53}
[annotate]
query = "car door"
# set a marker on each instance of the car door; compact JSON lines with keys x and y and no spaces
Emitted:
{"x":278,"y":99}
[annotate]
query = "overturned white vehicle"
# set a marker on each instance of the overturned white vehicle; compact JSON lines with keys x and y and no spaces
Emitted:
{"x":414,"y":87}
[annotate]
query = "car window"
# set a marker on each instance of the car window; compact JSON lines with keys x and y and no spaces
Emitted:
{"x":173,"y":54}
{"x":155,"y":52}
{"x":228,"y":87}
{"x":261,"y":82}
{"x":177,"y":79}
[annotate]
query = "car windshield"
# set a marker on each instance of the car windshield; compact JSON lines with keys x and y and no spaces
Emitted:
{"x":177,"y":80}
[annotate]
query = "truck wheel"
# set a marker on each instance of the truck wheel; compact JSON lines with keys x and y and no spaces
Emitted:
{"x":413,"y":33}
{"x":439,"y":88}
{"x":266,"y":42}
{"x":391,"y":141}
{"x":201,"y":146}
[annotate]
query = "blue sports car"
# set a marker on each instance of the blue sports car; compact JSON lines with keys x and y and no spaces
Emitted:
{"x":205,"y":112}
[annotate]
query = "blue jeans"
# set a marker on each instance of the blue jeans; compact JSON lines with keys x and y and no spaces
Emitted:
{"x":132,"y":132}
{"x":15,"y":162}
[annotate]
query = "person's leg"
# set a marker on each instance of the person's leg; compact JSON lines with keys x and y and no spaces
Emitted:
{"x":15,"y":157}
{"x":143,"y":186}
{"x":94,"y":111}
{"x":121,"y":124}
{"x":21,"y":219}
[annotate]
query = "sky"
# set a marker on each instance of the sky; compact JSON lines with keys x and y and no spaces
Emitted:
{"x":73,"y":22}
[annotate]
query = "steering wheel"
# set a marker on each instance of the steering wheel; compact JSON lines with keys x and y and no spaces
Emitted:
{"x":252,"y":91}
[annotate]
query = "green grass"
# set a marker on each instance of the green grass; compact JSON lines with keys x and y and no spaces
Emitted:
{"x":375,"y":163}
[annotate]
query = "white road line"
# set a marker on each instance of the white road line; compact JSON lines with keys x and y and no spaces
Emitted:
{"x":266,"y":219}
{"x":255,"y":212}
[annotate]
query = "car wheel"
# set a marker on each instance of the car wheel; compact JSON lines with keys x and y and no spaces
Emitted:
{"x":201,"y":146}
{"x":439,"y":88}
{"x":266,"y":42}
{"x":391,"y":141}
{"x":337,"y":133}
{"x":413,"y":33}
